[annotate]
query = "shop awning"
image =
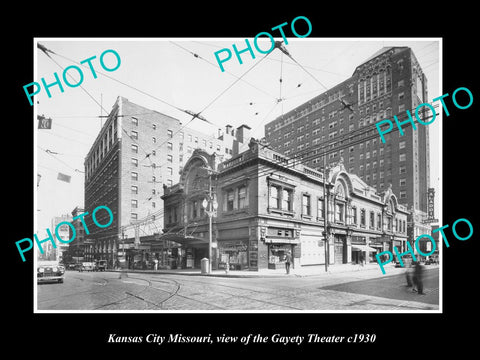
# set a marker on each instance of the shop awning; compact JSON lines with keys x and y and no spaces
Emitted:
{"x":363,"y":248}
{"x":190,"y":241}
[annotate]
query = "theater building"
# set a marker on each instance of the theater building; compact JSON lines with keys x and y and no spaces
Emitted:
{"x":269,"y":204}
{"x":137,"y":151}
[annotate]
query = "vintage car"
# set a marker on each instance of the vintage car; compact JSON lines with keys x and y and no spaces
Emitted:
{"x":100,"y":265}
{"x":88,"y":266}
{"x":49,"y":271}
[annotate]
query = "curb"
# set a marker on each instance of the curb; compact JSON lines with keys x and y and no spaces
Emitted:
{"x":273,"y":275}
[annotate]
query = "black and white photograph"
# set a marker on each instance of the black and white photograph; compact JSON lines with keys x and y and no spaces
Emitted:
{"x":242,"y":183}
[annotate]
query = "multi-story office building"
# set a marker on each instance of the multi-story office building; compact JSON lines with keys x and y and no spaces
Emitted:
{"x":63,"y":231}
{"x":78,"y":247}
{"x":137,"y":151}
{"x":341,"y":122}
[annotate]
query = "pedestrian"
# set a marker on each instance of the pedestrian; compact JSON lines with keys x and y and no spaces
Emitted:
{"x":418,"y":278}
{"x":288,"y":260}
{"x":409,"y":275}
{"x":361,"y":258}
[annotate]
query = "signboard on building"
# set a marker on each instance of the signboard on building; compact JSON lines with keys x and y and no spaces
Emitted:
{"x":44,"y":123}
{"x":430,"y":203}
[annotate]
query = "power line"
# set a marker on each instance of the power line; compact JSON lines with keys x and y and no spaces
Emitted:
{"x":338,"y":143}
{"x":216,"y":67}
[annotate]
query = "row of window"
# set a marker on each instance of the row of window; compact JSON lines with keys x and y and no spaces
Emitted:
{"x":281,"y":198}
{"x":134,"y":177}
{"x":134,"y":135}
{"x":102,"y":148}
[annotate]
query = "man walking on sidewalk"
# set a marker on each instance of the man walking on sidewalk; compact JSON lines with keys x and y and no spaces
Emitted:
{"x":288,"y":260}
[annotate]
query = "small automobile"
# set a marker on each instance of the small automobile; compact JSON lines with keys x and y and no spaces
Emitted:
{"x":88,"y":266}
{"x":49,"y":271}
{"x":101,"y":265}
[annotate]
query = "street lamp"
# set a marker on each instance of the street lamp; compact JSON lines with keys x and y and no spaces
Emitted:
{"x":210,"y":207}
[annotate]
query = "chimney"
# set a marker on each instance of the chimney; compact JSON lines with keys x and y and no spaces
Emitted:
{"x":243,"y":133}
{"x":229,"y":129}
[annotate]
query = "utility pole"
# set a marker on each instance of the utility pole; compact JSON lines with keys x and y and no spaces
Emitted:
{"x":325,"y":216}
{"x":210,"y":207}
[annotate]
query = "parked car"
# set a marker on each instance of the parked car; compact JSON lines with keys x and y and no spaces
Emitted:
{"x":431,"y":260}
{"x":88,"y":266}
{"x":49,"y":271}
{"x":100,"y":265}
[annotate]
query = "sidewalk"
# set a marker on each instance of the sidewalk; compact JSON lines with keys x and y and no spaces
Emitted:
{"x":370,"y":270}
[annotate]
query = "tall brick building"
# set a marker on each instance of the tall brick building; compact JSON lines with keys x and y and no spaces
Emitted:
{"x":137,"y":151}
{"x":341,"y":122}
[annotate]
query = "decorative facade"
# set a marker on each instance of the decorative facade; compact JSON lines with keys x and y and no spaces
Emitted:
{"x":270,"y":204}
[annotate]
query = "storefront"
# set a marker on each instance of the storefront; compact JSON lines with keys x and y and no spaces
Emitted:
{"x":233,"y":253}
{"x":277,"y":253}
{"x":358,"y":251}
{"x":340,"y":249}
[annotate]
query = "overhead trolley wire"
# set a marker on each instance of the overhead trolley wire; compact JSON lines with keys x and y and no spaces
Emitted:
{"x":212,"y":64}
{"x":312,"y":153}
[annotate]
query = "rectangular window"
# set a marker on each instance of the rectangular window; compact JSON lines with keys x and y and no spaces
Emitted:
{"x":134,"y":203}
{"x":274,"y":200}
{"x":372,"y":220}
{"x":230,"y":200}
{"x":403,"y":182}
{"x":170,"y":133}
{"x":362,"y":217}
{"x":354,"y":215}
{"x":339,"y":212}
{"x":134,"y":189}
{"x":169,"y":171}
{"x":169,"y":146}
{"x":286,"y":200}
{"x":242,"y":197}
{"x":379,"y":221}
{"x":320,"y":204}
{"x":154,"y":140}
{"x":134,"y":121}
{"x":401,"y":145}
{"x":134,"y":176}
{"x":135,"y":162}
{"x":306,"y":204}
{"x":135,"y":148}
{"x":154,"y":126}
{"x":402,"y":157}
{"x":169,"y":158}
{"x":133,"y":216}
{"x":134,"y":135}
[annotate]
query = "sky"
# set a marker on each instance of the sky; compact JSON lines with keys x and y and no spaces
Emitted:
{"x":182,"y":73}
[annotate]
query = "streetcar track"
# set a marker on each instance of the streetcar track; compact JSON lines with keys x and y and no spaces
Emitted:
{"x":174,"y":293}
{"x":76,"y":293}
{"x":239,"y":296}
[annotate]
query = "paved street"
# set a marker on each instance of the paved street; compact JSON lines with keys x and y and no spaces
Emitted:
{"x":104,"y":291}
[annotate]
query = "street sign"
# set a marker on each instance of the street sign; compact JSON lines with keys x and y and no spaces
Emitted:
{"x":44,"y":123}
